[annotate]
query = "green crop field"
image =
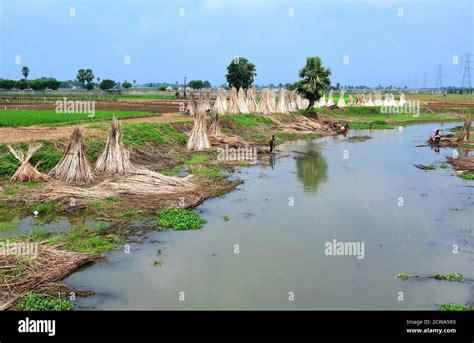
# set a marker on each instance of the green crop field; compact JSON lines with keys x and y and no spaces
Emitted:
{"x":22,"y":117}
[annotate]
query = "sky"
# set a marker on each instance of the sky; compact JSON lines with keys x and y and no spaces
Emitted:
{"x":363,"y":42}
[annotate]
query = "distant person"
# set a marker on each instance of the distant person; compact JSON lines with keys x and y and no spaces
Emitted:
{"x":436,"y":138}
{"x":272,"y":143}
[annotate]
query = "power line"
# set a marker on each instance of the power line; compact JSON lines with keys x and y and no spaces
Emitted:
{"x":466,"y":75}
{"x":439,"y":77}
{"x":423,"y":84}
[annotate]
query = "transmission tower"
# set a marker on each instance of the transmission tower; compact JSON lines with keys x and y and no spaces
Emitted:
{"x":466,"y":75}
{"x":439,"y":77}
{"x":423,"y":84}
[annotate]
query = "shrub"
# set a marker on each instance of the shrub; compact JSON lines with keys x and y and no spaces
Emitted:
{"x":107,"y":84}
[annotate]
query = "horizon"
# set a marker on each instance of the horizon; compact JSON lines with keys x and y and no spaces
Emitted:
{"x":164,"y":41}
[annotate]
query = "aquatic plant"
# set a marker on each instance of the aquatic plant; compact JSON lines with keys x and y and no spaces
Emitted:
{"x":454,"y":307}
{"x":180,"y":219}
{"x":37,"y":302}
{"x":448,"y":277}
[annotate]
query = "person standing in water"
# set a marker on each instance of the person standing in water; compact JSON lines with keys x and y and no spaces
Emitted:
{"x":272,"y":143}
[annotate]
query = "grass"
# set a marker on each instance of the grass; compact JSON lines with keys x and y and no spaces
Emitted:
{"x":113,"y":199}
{"x":6,"y":226}
{"x":90,"y":241}
{"x":44,"y":208}
{"x":141,"y":133}
{"x":172,"y":171}
{"x":249,"y":120}
{"x":14,"y":118}
{"x":128,"y":214}
{"x":208,"y":172}
{"x":466,"y":176}
{"x":366,"y":115}
{"x":37,"y":302}
{"x":197,"y":159}
{"x":180,"y":219}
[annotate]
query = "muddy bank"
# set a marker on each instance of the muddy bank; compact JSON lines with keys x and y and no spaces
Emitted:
{"x":465,"y":163}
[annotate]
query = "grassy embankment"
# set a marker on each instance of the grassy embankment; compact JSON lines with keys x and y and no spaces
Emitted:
{"x":372,"y":117}
{"x":167,"y":139}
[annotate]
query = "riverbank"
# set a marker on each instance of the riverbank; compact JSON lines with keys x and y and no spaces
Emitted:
{"x":157,"y":147}
{"x":166,"y":175}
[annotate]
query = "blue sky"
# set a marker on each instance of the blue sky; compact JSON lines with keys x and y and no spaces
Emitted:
{"x":165,"y":45}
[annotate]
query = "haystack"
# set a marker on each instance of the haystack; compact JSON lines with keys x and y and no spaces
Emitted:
{"x":300,"y":103}
{"x":198,"y":139}
{"x":264,"y":103}
{"x":341,"y":102}
{"x":282,"y":104}
{"x":272,"y":101}
{"x":26,"y":172}
{"x":233,"y":108}
{"x":252,"y":100}
{"x":322,"y":101}
{"x":369,"y":101}
{"x":214,"y":129}
{"x":292,"y":105}
{"x":464,"y":134}
{"x":74,"y":166}
{"x":402,"y":101}
{"x":330,"y":99}
{"x":351,"y":101}
{"x":242,"y":101}
{"x":378,"y":99}
{"x":220,"y":105}
{"x":114,"y":159}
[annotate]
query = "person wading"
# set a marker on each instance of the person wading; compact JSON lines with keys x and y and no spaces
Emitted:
{"x":272,"y":143}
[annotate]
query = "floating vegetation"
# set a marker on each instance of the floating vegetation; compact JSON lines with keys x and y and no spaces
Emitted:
{"x":454,"y":307}
{"x":466,"y":176}
{"x":448,"y":277}
{"x":180,"y":219}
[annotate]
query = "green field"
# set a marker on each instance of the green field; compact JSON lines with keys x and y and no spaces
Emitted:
{"x":22,"y":117}
{"x":373,"y":114}
{"x":97,"y":97}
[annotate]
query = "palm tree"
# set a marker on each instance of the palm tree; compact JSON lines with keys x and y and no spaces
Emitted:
{"x":25,"y":71}
{"x":314,"y":80}
{"x":85,"y":75}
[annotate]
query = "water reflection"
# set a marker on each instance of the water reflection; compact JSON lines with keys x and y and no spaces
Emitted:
{"x":312,"y":168}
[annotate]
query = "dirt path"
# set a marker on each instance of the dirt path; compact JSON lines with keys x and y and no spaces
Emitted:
{"x":34,"y":133}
